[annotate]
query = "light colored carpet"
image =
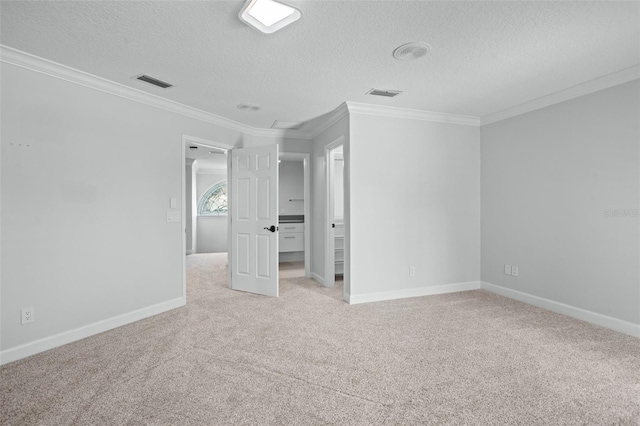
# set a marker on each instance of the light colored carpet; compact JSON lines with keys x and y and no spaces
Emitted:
{"x":291,"y":269}
{"x":309,"y":358}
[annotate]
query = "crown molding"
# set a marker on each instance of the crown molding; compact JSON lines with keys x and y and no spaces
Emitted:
{"x":44,"y":66}
{"x":591,"y":86}
{"x":412,"y":114}
{"x":331,"y":118}
{"x":53,"y":69}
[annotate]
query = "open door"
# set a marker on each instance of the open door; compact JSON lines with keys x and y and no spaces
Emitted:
{"x":254,"y":220}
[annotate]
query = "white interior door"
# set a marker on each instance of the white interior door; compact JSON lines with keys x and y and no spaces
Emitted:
{"x":254,"y":220}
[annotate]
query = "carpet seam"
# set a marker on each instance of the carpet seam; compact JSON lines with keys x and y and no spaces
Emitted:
{"x":279,"y":373}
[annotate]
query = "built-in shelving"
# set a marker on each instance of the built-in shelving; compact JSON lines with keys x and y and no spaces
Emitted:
{"x":339,"y":248}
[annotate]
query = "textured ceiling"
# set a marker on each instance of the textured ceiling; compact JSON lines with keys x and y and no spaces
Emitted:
{"x":485,"y":57}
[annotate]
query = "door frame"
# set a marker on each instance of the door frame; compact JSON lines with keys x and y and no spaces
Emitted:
{"x":306,"y":158}
{"x":186,"y":139}
{"x":329,"y":234}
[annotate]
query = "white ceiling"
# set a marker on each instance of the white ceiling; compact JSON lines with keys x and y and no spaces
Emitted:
{"x":486,"y":56}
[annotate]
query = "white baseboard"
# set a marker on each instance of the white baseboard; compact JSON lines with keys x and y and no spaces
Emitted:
{"x":413,"y":292}
{"x":317,"y":278}
{"x":44,"y":344}
{"x":561,"y":308}
{"x":189,"y":252}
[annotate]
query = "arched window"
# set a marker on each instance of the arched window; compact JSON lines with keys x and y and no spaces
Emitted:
{"x":214,"y":201}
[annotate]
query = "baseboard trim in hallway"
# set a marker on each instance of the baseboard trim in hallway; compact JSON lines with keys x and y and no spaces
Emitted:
{"x":50,"y":342}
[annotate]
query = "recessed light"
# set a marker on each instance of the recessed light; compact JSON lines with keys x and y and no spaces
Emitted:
{"x":268,"y":16}
{"x":411,"y":51}
{"x":248,"y":107}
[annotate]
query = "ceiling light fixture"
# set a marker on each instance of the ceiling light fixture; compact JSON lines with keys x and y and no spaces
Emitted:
{"x":268,"y":16}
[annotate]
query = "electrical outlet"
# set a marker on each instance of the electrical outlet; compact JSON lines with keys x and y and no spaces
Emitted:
{"x":507,"y":269}
{"x":514,"y":271}
{"x":27,"y":315}
{"x":412,"y":271}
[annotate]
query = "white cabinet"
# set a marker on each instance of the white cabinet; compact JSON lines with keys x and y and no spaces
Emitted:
{"x":291,"y":237}
{"x":339,"y":249}
{"x":288,"y":228}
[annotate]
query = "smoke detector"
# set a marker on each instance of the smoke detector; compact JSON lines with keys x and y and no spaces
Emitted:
{"x":411,"y":51}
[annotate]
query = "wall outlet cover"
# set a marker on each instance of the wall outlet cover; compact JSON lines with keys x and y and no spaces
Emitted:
{"x":27,"y":315}
{"x":507,"y":269}
{"x":173,"y":216}
{"x":514,"y":271}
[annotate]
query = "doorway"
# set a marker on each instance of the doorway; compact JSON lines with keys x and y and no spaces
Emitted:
{"x":210,"y":158}
{"x":335,"y":236}
{"x":189,"y":209}
{"x":294,"y":241}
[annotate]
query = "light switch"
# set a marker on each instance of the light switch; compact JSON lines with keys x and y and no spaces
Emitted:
{"x":173,"y":203}
{"x":173,"y":216}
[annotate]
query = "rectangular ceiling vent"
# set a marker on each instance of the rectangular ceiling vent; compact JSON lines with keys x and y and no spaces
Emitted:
{"x":154,"y":81}
{"x":287,"y":125}
{"x":385,"y":93}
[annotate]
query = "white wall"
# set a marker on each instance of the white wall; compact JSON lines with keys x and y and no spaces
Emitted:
{"x":85,"y":240}
{"x":211,"y":230}
{"x":415,"y":201}
{"x":291,"y":187}
{"x":548,"y":179}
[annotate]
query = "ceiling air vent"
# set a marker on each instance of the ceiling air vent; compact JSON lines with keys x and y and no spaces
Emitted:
{"x":385,"y":93}
{"x":154,"y":81}
{"x":287,"y":125}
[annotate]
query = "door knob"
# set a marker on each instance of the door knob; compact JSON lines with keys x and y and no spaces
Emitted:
{"x":272,"y":228}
